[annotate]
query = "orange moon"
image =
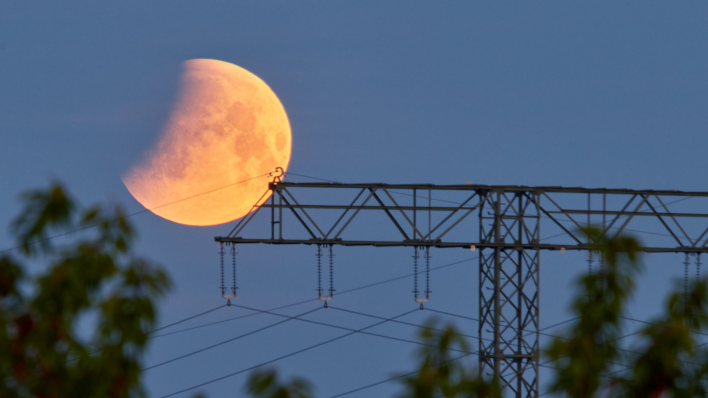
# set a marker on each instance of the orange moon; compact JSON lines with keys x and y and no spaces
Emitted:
{"x":226,"y":126}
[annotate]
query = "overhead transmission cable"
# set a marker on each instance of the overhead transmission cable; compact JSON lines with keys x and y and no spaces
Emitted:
{"x":161,"y":328}
{"x":284,"y":356}
{"x":561,"y":337}
{"x":396,"y":377}
{"x":412,"y":373}
{"x":374,"y":334}
{"x":187,"y":319}
{"x":545,"y":364}
{"x":228,"y":341}
{"x":330,"y":325}
{"x":349,"y":291}
{"x":315,"y":299}
{"x":133,"y":214}
{"x":350,"y":329}
{"x":367,"y":333}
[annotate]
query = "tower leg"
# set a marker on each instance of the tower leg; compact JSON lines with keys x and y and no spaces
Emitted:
{"x":509,"y":300}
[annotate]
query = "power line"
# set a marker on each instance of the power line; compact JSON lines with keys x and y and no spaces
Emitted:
{"x":283,"y":356}
{"x":371,"y":334}
{"x":201,"y":326}
{"x":375,"y":335}
{"x":402,"y":323}
{"x":160,"y":328}
{"x":382,"y":336}
{"x":649,"y":323}
{"x":314,"y":178}
{"x":550,"y":335}
{"x":316,"y":299}
{"x":349,"y":329}
{"x":388,"y":337}
{"x":411,"y":373}
{"x":187,"y":319}
{"x":226,"y":341}
{"x":345,"y":292}
{"x":405,"y":375}
{"x":477,"y":320}
{"x":395,"y":377}
{"x":363,"y":287}
{"x":565,"y":338}
{"x":133,"y":214}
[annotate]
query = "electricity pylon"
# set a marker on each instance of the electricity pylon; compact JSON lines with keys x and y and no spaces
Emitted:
{"x":506,"y":232}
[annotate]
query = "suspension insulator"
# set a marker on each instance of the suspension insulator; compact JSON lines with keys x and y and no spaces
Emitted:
{"x":698,"y":266}
{"x":319,"y":276}
{"x":232,"y":294}
{"x":685,"y":278}
{"x":424,"y":299}
{"x":427,"y":272}
{"x":415,"y":273}
{"x":229,"y":296}
{"x":331,"y":273}
{"x":319,"y":271}
{"x":602,"y":273}
{"x":221,"y":255}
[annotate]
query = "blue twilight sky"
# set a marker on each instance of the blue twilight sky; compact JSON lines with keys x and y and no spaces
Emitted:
{"x":595,"y":94}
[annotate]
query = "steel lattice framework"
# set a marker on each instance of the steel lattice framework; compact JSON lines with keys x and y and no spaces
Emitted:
{"x":506,"y":232}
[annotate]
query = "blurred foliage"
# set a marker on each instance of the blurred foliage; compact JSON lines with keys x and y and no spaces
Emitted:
{"x":670,"y":361}
{"x":666,"y":359}
{"x":599,"y":304}
{"x":76,"y":327}
{"x":266,"y":384}
{"x":441,"y":371}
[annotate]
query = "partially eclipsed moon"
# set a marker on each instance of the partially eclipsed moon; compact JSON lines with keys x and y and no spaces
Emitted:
{"x":227,"y":126}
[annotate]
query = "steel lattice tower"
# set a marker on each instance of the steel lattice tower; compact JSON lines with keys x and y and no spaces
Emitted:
{"x":508,"y":285}
{"x":507,"y":235}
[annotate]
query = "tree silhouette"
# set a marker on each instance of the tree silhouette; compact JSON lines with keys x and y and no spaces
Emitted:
{"x":76,"y":327}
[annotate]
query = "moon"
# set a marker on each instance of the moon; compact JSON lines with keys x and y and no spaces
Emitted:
{"x":226,"y":126}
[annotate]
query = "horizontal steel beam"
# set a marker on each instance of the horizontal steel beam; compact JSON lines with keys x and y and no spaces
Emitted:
{"x":462,"y":245}
{"x":507,"y":188}
{"x":372,"y":207}
{"x":628,"y":213}
{"x":453,"y":208}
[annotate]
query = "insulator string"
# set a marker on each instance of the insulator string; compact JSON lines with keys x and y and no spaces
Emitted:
{"x":233,"y":255}
{"x":590,"y":262}
{"x":427,"y":272}
{"x":698,"y":266}
{"x":602,"y":272}
{"x":685,"y":278}
{"x":415,"y":273}
{"x":319,"y":270}
{"x":221,"y":252}
{"x":331,"y":272}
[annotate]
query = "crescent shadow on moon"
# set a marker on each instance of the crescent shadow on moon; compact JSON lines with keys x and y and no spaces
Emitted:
{"x":226,"y":126}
